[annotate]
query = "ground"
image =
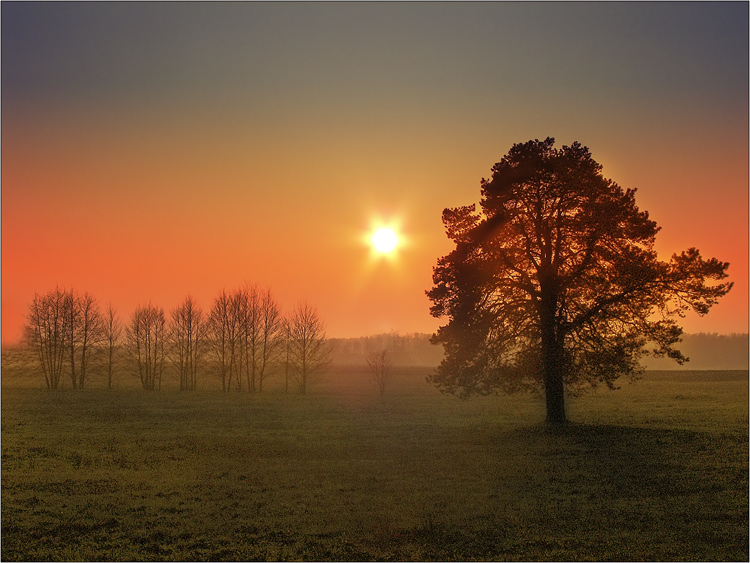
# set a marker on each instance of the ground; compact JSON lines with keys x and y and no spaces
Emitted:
{"x":655,"y":471}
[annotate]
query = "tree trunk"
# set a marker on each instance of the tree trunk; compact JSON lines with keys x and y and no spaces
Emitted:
{"x":552,"y":360}
{"x":73,"y":375}
{"x":554,"y":390}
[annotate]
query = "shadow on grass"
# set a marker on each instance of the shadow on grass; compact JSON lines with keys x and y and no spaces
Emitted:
{"x":638,"y":462}
{"x":586,"y":492}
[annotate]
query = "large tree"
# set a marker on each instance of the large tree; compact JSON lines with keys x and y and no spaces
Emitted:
{"x":555,"y":282}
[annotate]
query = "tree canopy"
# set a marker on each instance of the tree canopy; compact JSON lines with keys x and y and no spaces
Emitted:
{"x":554,"y":283}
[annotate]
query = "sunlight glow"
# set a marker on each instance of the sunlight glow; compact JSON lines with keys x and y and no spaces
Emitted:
{"x":384,"y":240}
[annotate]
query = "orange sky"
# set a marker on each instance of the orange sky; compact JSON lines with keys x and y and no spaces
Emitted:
{"x":144,"y":172}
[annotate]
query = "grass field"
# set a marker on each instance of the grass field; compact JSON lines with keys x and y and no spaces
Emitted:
{"x":655,"y":471}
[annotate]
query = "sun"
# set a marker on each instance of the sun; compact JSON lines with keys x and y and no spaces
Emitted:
{"x":384,"y":240}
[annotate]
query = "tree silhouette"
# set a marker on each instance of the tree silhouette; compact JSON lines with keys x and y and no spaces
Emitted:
{"x":187,"y":337}
{"x":555,"y":282}
{"x":380,"y":362}
{"x":259,"y":333}
{"x":113,"y":331}
{"x":224,"y":335}
{"x":145,"y":338}
{"x":65,"y":328}
{"x":244,"y":330}
{"x":247,"y":306}
{"x":271,"y":335}
{"x":86,"y":331}
{"x":309,"y":350}
{"x":47,"y":330}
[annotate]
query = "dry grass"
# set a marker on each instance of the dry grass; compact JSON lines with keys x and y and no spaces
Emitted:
{"x":655,"y":471}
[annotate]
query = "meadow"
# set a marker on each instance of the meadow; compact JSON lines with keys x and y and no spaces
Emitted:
{"x":657,"y":470}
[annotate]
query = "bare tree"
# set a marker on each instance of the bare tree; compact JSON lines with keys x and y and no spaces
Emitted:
{"x":380,"y":363}
{"x":260,"y":321}
{"x":247,"y":301}
{"x":71,"y":326}
{"x":84,"y":332}
{"x":89,"y":333}
{"x":145,"y":337}
{"x":246,"y":336}
{"x":65,"y":325}
{"x":187,"y":332}
{"x":310,"y":352}
{"x":271,"y":334}
{"x":112,"y":332}
{"x":47,"y":330}
{"x":224,"y":335}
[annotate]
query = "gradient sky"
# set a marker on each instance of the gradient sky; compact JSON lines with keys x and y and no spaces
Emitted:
{"x":156,"y":150}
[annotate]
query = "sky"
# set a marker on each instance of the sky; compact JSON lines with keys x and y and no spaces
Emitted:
{"x":156,"y":150}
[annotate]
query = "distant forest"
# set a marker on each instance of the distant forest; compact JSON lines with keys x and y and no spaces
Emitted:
{"x":706,"y":351}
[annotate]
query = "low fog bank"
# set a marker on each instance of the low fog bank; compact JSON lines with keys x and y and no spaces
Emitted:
{"x":706,"y":351}
{"x":408,"y":350}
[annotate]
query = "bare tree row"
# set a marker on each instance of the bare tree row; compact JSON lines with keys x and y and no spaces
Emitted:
{"x":244,"y":337}
{"x":66,"y":328}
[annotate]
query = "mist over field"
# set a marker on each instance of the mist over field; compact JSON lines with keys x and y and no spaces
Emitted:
{"x":708,"y":351}
{"x":705,"y":351}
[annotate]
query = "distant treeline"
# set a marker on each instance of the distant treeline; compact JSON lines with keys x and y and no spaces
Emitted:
{"x":706,"y":351}
{"x":408,"y":350}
